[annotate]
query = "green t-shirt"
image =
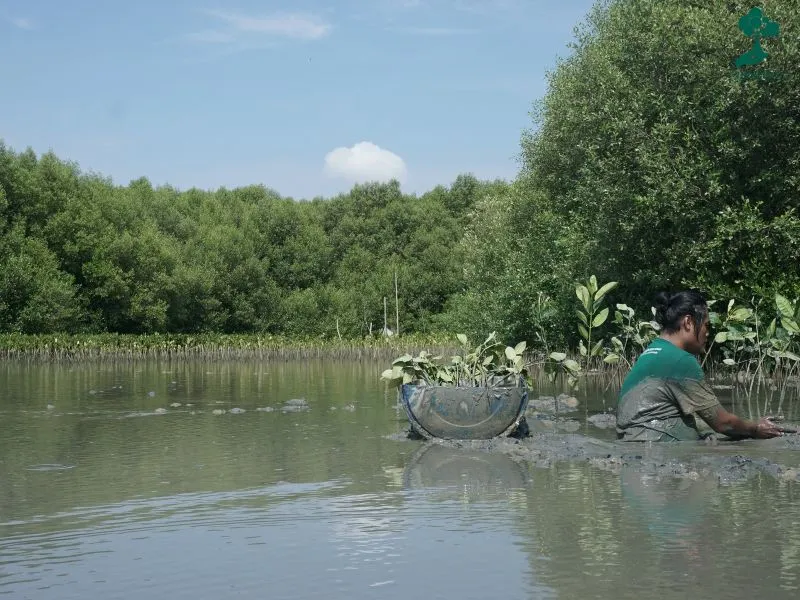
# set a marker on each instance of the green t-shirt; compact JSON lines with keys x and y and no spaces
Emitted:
{"x":661,"y":395}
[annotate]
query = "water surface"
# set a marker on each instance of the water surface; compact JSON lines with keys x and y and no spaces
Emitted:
{"x":108,"y":489}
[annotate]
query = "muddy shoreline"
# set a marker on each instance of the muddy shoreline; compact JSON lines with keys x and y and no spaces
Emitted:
{"x":725,"y":461}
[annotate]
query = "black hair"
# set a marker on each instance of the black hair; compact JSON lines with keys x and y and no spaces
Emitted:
{"x":671,"y":308}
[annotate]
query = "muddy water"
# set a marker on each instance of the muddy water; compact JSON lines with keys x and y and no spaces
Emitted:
{"x":200,"y":481}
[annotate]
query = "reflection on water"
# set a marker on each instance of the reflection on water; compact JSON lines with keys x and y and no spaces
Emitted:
{"x":122,"y":482}
{"x":469,"y":475}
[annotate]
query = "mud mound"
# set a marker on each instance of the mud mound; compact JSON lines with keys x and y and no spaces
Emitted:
{"x":727,"y":462}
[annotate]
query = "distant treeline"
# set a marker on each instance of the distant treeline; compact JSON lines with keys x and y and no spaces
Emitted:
{"x":654,"y":162}
{"x":79,"y":254}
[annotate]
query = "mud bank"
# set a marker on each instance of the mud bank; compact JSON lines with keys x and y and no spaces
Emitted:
{"x":726,"y":461}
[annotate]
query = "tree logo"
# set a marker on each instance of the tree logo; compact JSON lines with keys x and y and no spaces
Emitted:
{"x":756,"y":26}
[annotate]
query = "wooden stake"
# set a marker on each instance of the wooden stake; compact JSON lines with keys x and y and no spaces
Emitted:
{"x":385,"y":324}
{"x":396,"y":307}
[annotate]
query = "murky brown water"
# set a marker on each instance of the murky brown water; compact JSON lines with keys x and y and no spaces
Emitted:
{"x":103,"y":497}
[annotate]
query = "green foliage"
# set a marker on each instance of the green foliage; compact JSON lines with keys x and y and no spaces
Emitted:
{"x":633,"y":336}
{"x":35,"y":297}
{"x":591,"y":316}
{"x":749,"y":255}
{"x":648,"y":165}
{"x":514,"y":270}
{"x":144,"y":259}
{"x":759,"y":340}
{"x":490,"y":364}
{"x":206,"y":346}
{"x":559,"y":364}
{"x":652,"y":162}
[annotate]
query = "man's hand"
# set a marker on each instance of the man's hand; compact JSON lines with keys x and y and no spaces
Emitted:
{"x":726,"y":423}
{"x":766,"y":428}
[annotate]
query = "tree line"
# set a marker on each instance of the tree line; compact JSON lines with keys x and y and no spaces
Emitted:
{"x":651,"y":161}
{"x":79,"y":254}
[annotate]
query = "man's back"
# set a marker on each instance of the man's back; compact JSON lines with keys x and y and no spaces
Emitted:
{"x":661,"y":394}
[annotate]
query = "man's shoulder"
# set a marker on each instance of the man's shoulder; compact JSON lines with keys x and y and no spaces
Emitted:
{"x":671,"y":360}
{"x":687,"y":366}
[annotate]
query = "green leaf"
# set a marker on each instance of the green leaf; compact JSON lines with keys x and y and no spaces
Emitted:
{"x":740,"y":314}
{"x":558,"y":356}
{"x":721,"y":337}
{"x":520,"y":348}
{"x":582,"y":348}
{"x":784,"y":306}
{"x":604,"y":290}
{"x":771,"y":328}
{"x":582,"y":316}
{"x":592,"y":284}
{"x":510,"y":353}
{"x":388,"y":374}
{"x":729,"y":361}
{"x":462,"y":338}
{"x":600,"y":318}
{"x":790,"y":325}
{"x":583,"y":296}
{"x":597,"y":347}
{"x":572,"y":365}
{"x":404,"y":358}
{"x":488,"y":360}
{"x":583,"y":331}
{"x":408,"y":378}
{"x":790,"y":356}
{"x":611,"y":358}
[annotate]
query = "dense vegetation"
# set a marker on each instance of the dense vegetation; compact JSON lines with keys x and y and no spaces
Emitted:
{"x":654,"y":163}
{"x":651,"y":163}
{"x":79,"y":254}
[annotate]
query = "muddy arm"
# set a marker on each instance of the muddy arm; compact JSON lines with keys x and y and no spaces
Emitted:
{"x":726,"y":423}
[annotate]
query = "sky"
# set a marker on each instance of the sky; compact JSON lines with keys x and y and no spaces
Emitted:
{"x":306,"y":97}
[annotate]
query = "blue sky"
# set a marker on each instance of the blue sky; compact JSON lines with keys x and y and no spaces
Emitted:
{"x":304,"y":96}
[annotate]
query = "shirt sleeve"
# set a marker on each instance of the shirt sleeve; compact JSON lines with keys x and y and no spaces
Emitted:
{"x":692,"y":395}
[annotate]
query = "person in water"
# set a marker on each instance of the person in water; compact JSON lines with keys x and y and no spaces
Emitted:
{"x":665,"y":391}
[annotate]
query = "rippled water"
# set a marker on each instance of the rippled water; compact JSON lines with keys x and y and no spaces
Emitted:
{"x":109,"y":491}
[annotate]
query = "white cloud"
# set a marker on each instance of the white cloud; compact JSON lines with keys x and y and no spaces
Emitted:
{"x":365,"y":162}
{"x":291,"y":25}
{"x":22,"y":23}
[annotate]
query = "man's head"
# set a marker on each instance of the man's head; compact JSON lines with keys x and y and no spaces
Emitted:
{"x":683,"y":316}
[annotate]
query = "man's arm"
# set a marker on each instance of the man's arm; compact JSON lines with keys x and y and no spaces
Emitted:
{"x":726,"y":423}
